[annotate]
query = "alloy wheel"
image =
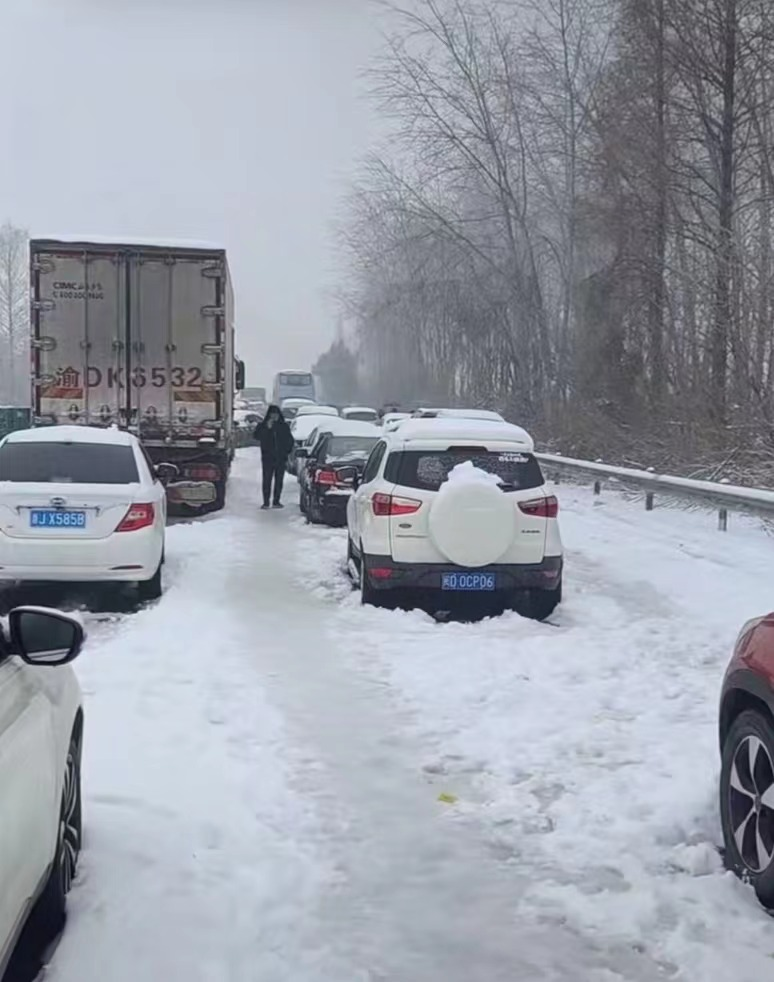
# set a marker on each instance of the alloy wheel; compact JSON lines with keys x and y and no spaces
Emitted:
{"x":70,"y":823}
{"x":751,"y":803}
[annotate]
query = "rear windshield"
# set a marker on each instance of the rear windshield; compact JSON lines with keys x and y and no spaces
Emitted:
{"x":341,"y":447}
{"x":428,"y":469}
{"x":366,"y":416}
{"x":67,"y":463}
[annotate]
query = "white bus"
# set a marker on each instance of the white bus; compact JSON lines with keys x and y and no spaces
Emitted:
{"x":292,"y":384}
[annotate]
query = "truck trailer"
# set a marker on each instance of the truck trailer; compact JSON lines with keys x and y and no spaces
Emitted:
{"x":140,"y":335}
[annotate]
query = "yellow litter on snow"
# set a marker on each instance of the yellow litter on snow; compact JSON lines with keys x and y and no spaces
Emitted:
{"x":446,"y":798}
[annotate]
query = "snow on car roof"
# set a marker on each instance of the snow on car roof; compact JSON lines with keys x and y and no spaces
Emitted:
{"x":454,"y":428}
{"x":487,"y":414}
{"x":130,"y":240}
{"x":359,"y":409}
{"x":72,"y":434}
{"x":302,"y":426}
{"x":338,"y":426}
{"x":315,"y":410}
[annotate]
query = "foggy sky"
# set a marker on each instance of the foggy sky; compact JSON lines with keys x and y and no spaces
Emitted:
{"x":237,"y":121}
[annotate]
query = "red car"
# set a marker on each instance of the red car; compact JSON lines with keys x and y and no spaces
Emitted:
{"x":747,"y":748}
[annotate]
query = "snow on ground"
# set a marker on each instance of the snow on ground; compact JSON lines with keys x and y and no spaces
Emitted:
{"x":199,"y":859}
{"x":264,"y":760}
{"x":589,"y":746}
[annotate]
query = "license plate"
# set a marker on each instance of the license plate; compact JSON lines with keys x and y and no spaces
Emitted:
{"x":192,"y":492}
{"x":49,"y":518}
{"x":473,"y":582}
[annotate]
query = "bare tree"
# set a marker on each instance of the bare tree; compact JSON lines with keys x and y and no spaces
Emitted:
{"x":14,"y":316}
{"x":574,"y":218}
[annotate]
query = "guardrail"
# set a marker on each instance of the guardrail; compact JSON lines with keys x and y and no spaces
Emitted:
{"x":722,"y":496}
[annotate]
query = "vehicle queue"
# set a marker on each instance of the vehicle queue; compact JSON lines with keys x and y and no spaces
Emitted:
{"x":442,"y":507}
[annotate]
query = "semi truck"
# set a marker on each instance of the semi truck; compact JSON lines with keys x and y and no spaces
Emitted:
{"x":140,"y":335}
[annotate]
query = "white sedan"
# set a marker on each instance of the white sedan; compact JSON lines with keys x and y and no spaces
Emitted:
{"x":41,"y":731}
{"x":80,"y":504}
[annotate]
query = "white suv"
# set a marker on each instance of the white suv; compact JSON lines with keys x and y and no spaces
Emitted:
{"x":451,"y":507}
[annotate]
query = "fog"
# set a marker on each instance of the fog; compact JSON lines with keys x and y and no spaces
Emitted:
{"x":238,"y":121}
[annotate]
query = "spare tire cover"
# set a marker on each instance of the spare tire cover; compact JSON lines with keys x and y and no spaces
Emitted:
{"x":472,"y":524}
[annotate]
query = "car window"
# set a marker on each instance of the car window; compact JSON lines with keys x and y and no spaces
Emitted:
{"x":318,"y":444}
{"x":374,"y":462}
{"x":363,"y":417}
{"x":151,"y":466}
{"x":341,"y":447}
{"x":428,"y":469}
{"x":68,"y":463}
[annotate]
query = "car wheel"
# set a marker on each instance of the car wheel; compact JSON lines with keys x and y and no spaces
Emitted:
{"x":540,"y":604}
{"x":747,"y":802}
{"x":151,"y":589}
{"x":50,"y":909}
{"x":302,"y":502}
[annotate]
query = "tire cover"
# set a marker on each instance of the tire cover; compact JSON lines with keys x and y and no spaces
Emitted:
{"x":472,"y":524}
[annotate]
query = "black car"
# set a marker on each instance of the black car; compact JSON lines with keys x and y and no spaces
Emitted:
{"x":326,"y":475}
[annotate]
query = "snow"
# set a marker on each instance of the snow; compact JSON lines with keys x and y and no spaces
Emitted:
{"x":468,"y":473}
{"x":339,"y":426}
{"x":482,"y":414}
{"x":315,"y":410}
{"x":665,"y":482}
{"x":485,"y":432}
{"x":282,"y":784}
{"x":110,"y":435}
{"x":72,"y":238}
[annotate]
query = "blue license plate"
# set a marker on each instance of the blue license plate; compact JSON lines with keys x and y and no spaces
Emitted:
{"x":50,"y":518}
{"x":473,"y":582}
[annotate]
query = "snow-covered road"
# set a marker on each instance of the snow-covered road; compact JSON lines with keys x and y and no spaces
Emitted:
{"x":264,"y":760}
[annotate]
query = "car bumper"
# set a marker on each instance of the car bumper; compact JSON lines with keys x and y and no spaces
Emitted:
{"x":123,"y":557}
{"x":332,"y":507}
{"x":426,"y":577}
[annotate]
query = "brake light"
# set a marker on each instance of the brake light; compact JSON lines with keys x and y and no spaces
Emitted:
{"x":327,"y":478}
{"x":380,"y":573}
{"x":385,"y":505}
{"x":138,"y":517}
{"x":541,"y":507}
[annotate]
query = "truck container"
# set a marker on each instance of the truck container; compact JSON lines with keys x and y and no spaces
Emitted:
{"x":140,"y":335}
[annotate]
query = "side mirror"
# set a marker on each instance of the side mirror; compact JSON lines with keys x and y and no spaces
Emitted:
{"x":166,"y":472}
{"x":42,"y":636}
{"x":302,"y":453}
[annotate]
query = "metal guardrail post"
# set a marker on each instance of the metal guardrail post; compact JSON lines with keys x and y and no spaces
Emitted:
{"x":723,"y":520}
{"x":649,"y":501}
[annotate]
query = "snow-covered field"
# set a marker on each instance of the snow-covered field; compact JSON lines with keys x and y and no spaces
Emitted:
{"x":264,"y":760}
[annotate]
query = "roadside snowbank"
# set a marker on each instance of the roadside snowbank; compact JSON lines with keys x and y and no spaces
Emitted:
{"x":589,"y":749}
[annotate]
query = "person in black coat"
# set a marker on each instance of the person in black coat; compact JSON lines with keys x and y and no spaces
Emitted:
{"x":276,"y":440}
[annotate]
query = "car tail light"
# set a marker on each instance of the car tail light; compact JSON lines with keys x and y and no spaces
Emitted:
{"x":203,"y":472}
{"x":385,"y":505}
{"x":541,"y":507}
{"x":380,"y":572}
{"x":327,"y":478}
{"x":138,"y":517}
